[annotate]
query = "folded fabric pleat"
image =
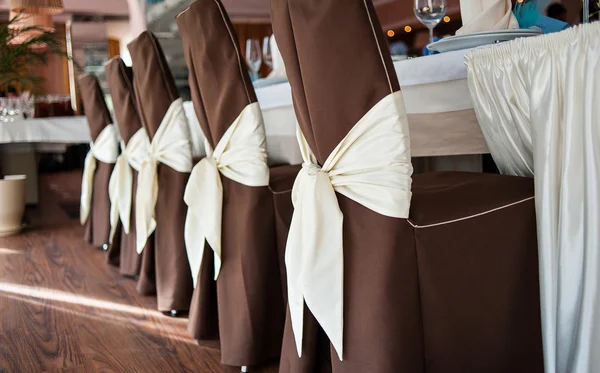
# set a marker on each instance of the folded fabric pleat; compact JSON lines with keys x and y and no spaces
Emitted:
{"x":104,"y":149}
{"x":170,"y":146}
{"x":241,"y":156}
{"x":371,"y":166}
{"x":120,"y":187}
{"x":486,"y":15}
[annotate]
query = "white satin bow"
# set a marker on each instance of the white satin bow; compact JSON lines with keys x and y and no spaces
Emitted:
{"x":171,"y":147}
{"x":105,"y":149}
{"x":371,"y":166}
{"x":120,"y":187}
{"x":240,"y":156}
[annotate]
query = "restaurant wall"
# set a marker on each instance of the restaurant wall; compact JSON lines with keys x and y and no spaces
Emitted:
{"x":55,"y":73}
{"x":258,"y":31}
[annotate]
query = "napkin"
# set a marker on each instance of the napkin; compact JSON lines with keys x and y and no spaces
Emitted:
{"x":486,"y":15}
{"x":278,"y":66}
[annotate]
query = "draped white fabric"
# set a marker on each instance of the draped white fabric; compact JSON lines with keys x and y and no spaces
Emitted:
{"x":171,"y":147}
{"x":104,"y":149}
{"x":240,"y":156}
{"x":537,"y":101}
{"x":485,"y":15}
{"x":371,"y":166}
{"x":120,"y":187}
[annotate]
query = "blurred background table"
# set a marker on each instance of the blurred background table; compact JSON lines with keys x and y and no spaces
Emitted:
{"x":22,"y":140}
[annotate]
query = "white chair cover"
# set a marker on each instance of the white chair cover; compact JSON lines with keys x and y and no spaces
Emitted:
{"x":240,"y":156}
{"x":371,"y":166}
{"x":171,"y":147}
{"x":104,"y":149}
{"x":537,"y":101}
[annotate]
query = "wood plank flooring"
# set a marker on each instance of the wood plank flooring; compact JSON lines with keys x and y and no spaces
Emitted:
{"x":63,"y":309}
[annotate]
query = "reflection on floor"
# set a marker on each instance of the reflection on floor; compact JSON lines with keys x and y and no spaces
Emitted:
{"x":63,"y":309}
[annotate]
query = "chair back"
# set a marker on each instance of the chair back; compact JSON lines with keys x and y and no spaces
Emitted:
{"x":120,"y":83}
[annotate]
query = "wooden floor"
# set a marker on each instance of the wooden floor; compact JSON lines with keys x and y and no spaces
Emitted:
{"x":62,"y":309}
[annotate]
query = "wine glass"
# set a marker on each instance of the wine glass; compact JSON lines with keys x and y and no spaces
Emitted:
{"x":3,"y":109}
{"x":253,"y":57}
{"x":430,"y":13}
{"x":267,"y":54}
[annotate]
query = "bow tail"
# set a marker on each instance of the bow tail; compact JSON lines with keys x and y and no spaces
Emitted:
{"x":293,"y":263}
{"x":87,"y":184}
{"x":323,"y":272}
{"x":204,"y":197}
{"x":114,"y":204}
{"x":114,"y":187}
{"x":145,"y":204}
{"x":194,"y":237}
{"x":125,"y":196}
{"x":315,"y":267}
{"x":194,"y":243}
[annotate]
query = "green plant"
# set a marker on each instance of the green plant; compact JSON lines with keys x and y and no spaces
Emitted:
{"x":20,"y":49}
{"x":597,"y":9}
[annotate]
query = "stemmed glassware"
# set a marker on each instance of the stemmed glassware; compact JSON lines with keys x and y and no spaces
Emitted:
{"x":253,"y":57}
{"x":430,"y":13}
{"x":267,"y":53}
{"x":10,"y":109}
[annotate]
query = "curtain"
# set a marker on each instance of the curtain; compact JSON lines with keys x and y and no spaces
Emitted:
{"x":538,"y":103}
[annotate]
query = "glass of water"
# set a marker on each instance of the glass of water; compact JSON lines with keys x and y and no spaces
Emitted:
{"x":430,"y":13}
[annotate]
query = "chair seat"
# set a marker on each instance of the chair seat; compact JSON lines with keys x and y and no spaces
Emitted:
{"x":474,"y":237}
{"x":442,"y":197}
{"x":476,"y":246}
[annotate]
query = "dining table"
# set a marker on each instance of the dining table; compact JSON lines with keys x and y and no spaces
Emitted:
{"x":444,"y":131}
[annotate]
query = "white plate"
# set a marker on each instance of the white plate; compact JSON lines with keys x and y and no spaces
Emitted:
{"x":453,"y":43}
{"x":396,"y":58}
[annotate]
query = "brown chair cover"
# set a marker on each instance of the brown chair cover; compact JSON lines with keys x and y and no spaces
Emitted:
{"x":97,"y":226}
{"x":281,"y":182}
{"x":120,"y":82}
{"x":457,"y":297}
{"x":248,"y":294}
{"x":156,"y":91}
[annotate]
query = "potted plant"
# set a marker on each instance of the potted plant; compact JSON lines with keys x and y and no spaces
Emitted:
{"x":21,"y":47}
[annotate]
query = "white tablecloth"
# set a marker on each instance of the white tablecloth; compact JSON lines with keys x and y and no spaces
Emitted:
{"x":69,"y":130}
{"x":440,"y":114}
{"x":440,"y":111}
{"x":537,"y":100}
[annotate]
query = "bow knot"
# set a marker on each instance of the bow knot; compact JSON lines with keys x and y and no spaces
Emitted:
{"x":171,"y":147}
{"x":120,"y":187}
{"x":311,"y":169}
{"x":371,"y":166}
{"x":240,"y":156}
{"x":104,"y":149}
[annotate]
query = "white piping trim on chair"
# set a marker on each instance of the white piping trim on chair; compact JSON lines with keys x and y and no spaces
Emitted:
{"x":378,"y":46}
{"x":470,"y":216}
